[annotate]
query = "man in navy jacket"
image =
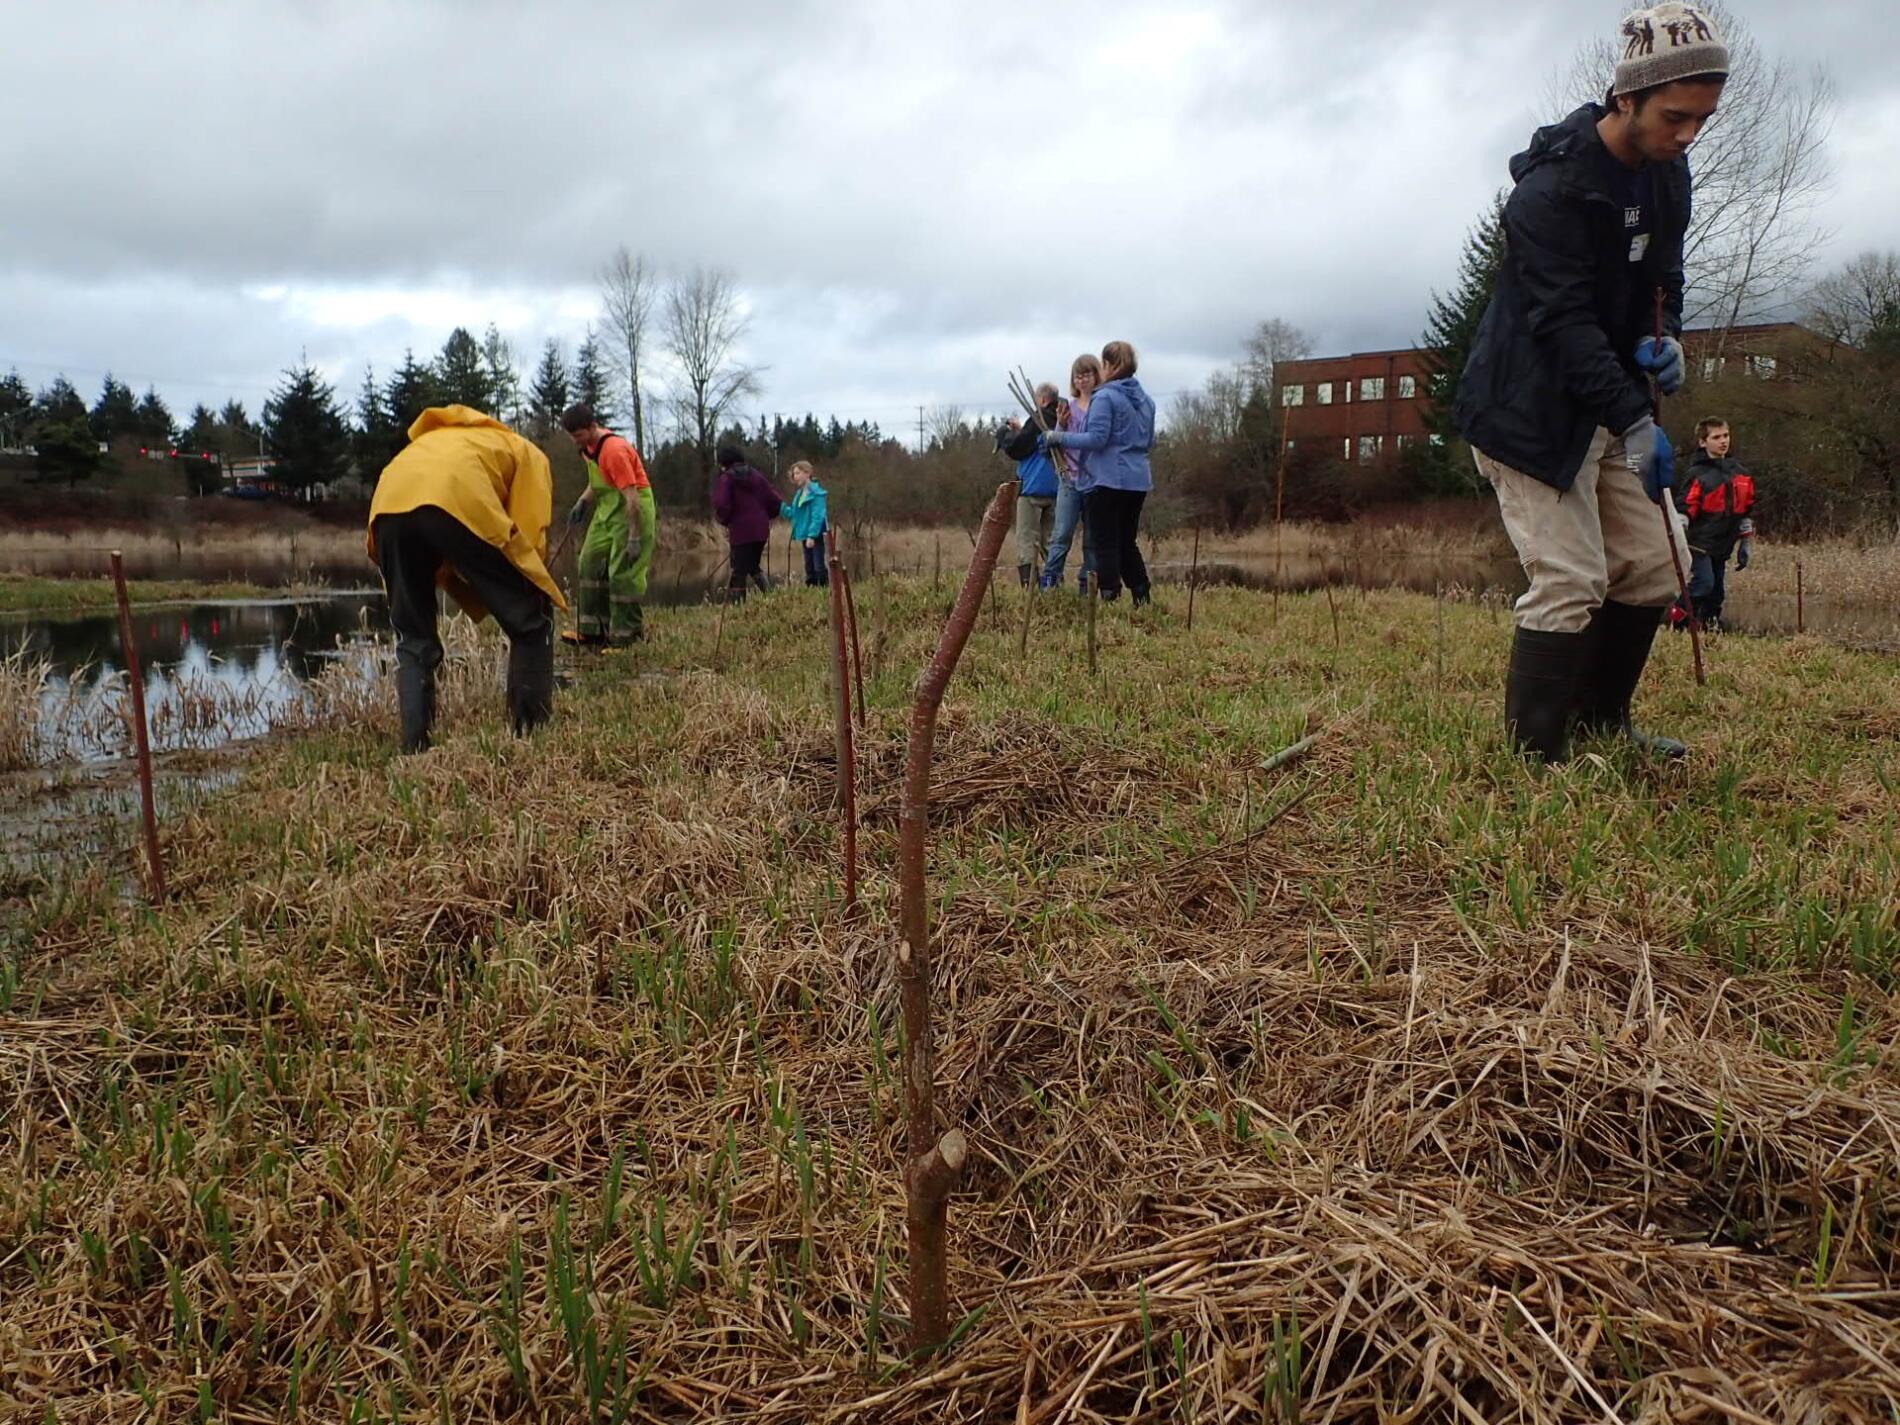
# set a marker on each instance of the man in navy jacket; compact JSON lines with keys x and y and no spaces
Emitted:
{"x":1555,"y":398}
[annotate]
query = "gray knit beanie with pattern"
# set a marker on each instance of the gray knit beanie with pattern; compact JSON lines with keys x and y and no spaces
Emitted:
{"x":1668,"y":42}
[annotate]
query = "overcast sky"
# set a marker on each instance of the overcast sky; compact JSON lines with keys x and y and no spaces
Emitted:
{"x":913,"y":199}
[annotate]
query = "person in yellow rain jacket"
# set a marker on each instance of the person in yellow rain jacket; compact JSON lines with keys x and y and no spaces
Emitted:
{"x":466,"y":506}
{"x":622,"y":522}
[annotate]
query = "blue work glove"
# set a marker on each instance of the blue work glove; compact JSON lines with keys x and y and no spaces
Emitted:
{"x":1651,"y":457}
{"x":1663,"y":360}
{"x":1741,"y":554}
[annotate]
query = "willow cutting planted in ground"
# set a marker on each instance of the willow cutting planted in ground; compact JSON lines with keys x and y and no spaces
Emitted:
{"x":545,"y":1080}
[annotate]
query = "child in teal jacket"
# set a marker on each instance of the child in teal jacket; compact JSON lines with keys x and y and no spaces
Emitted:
{"x":806,"y":511}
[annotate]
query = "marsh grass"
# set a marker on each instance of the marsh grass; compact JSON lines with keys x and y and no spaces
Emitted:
{"x":544,"y":1079}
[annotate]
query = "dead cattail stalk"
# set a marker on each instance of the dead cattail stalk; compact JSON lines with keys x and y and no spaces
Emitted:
{"x":936,"y":569}
{"x":1029,"y":606}
{"x":1194,"y":577}
{"x":934,"y":1163}
{"x":1800,"y":601}
{"x":135,"y":679}
{"x":847,"y":750}
{"x":719,"y":624}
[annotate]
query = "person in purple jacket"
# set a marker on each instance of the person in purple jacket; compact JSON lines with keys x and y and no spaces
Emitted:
{"x":746,"y":504}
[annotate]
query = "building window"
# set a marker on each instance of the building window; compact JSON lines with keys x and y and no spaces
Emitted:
{"x":1346,"y":453}
{"x":1435,"y":438}
{"x":1293,"y":395}
{"x":1292,"y":445}
{"x":1711,"y":367}
{"x":1326,"y":393}
{"x":1405,"y":442}
{"x":1762,"y":368}
{"x":1372,"y":388}
{"x":1408,"y":387}
{"x":1369,"y":448}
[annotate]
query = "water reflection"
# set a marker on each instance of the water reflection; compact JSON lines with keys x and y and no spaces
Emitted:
{"x":214,"y":673}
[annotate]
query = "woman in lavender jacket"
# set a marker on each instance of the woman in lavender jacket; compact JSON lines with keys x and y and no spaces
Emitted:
{"x":1115,"y":441}
{"x":1071,"y":496}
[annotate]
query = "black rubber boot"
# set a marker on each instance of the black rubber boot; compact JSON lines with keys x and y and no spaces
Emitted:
{"x":415,"y":696}
{"x":530,"y":683}
{"x":1537,"y":696}
{"x":1024,"y":575}
{"x":1620,"y":637}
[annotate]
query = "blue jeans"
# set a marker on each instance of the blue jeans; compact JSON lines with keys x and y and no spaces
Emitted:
{"x":1070,"y":512}
{"x":1708,"y":586}
{"x":817,"y":574}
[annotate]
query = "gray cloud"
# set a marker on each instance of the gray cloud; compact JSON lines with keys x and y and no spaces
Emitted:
{"x":912,"y":200}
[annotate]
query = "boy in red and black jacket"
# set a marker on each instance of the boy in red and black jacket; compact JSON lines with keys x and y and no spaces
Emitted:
{"x":1718,"y":501}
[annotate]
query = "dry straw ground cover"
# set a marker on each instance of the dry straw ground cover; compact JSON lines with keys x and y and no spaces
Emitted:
{"x":541,"y":1081}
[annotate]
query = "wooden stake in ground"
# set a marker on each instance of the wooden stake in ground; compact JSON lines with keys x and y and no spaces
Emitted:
{"x":135,"y":679}
{"x":1094,"y":598}
{"x":934,"y":1163}
{"x":1669,"y":524}
{"x":847,"y":750}
{"x":1194,"y":577}
{"x":851,"y":626}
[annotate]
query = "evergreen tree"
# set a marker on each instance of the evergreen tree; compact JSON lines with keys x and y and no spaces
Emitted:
{"x":60,"y":404}
{"x":202,"y":436}
{"x":378,"y":436}
{"x":590,"y":378}
{"x":504,"y":380}
{"x":153,"y":419}
{"x":1443,"y":466}
{"x":411,"y":391}
{"x":461,"y":374}
{"x":116,"y":412}
{"x":548,"y":395}
{"x":16,"y":410}
{"x":237,"y":421}
{"x":68,"y":450}
{"x":308,"y":441}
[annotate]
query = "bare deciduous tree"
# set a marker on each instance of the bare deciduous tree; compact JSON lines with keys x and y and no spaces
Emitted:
{"x":628,"y":289}
{"x":1760,"y":169}
{"x":1273,"y":341}
{"x":1845,"y":305}
{"x":701,"y":323}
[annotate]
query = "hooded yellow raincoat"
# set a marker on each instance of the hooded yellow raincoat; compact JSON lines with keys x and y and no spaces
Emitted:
{"x":473,"y":467}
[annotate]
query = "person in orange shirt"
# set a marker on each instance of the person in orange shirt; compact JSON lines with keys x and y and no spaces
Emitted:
{"x":617,"y":553}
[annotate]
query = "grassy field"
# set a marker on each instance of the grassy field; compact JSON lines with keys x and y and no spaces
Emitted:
{"x":543,"y":1080}
{"x":20,"y":593}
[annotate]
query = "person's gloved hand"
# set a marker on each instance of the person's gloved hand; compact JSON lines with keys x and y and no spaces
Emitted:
{"x":1651,"y":457}
{"x":1052,"y":438}
{"x":1663,"y":360}
{"x":1741,"y":553}
{"x":578,"y":513}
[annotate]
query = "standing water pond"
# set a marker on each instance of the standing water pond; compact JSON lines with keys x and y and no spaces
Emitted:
{"x":214,"y":673}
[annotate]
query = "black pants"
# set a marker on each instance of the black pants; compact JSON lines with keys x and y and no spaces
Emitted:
{"x":745,"y":567}
{"x":411,"y":549}
{"x":1114,"y":519}
{"x":817,"y":573}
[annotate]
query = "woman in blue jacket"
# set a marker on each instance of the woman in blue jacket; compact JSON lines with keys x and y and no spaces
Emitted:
{"x":806,"y":511}
{"x":1115,"y":441}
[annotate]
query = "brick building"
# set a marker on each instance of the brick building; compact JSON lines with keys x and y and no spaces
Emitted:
{"x":1368,"y":408}
{"x":1364,"y":409}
